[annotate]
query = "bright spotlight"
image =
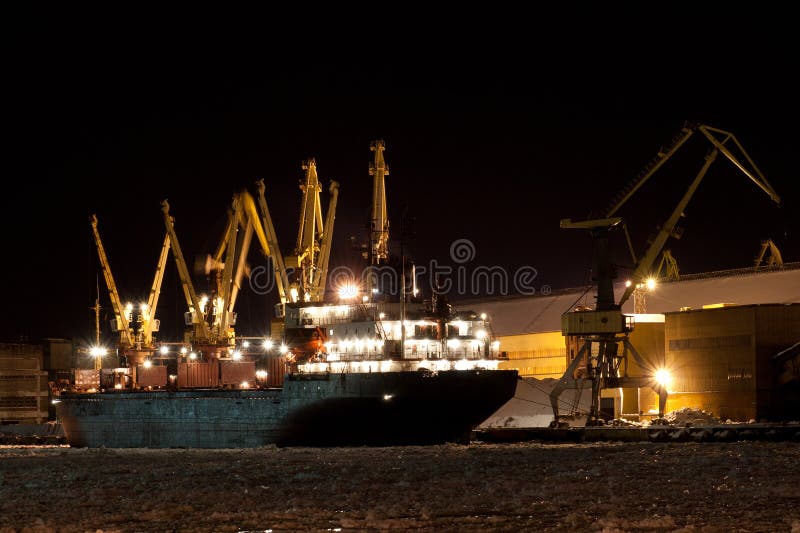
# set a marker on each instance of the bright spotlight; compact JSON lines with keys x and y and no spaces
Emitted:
{"x":651,"y":284}
{"x":237,"y":355}
{"x":97,"y":351}
{"x":268,"y":344}
{"x":147,"y":363}
{"x":663,"y":377}
{"x":347,"y":292}
{"x":283,"y":348}
{"x":246,"y":344}
{"x":164,"y":350}
{"x":628,"y":283}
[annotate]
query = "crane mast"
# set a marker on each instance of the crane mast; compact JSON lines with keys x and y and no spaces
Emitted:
{"x":325,"y":242}
{"x":125,"y":337}
{"x":237,"y":247}
{"x":312,"y":251}
{"x":148,"y":314}
{"x":270,"y":246}
{"x":229,"y":262}
{"x":379,"y":222}
{"x":606,"y":327}
{"x":196,"y":310}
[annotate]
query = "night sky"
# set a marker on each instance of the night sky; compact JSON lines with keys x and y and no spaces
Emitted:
{"x":491,"y":140}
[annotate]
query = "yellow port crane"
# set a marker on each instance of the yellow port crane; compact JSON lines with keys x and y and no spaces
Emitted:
{"x":120,"y":323}
{"x":312,"y":251}
{"x":213,"y":319}
{"x":605,"y":329}
{"x":134,"y":343}
{"x":196,"y":315}
{"x":230,"y":269}
{"x":271,"y":248}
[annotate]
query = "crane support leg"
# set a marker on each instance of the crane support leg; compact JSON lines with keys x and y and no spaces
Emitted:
{"x":568,"y":380}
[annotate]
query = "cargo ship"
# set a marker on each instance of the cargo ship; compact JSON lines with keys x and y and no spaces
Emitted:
{"x":376,"y":366}
{"x":370,"y":379}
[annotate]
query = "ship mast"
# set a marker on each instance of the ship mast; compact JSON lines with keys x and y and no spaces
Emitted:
{"x":96,"y":308}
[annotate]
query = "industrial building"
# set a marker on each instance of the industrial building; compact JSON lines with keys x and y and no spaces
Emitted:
{"x":726,"y":336}
{"x":24,"y":396}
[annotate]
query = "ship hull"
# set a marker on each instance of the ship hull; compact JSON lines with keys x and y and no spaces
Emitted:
{"x":382,"y":408}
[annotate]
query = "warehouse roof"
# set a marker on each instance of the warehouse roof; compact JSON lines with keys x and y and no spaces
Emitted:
{"x":516,"y":315}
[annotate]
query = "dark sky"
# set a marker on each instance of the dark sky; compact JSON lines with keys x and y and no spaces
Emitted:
{"x":491,"y":139}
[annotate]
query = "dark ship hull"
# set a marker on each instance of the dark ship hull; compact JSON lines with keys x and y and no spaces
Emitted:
{"x":379,"y":408}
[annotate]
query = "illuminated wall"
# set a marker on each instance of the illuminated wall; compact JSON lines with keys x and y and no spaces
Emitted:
{"x":535,"y":355}
{"x":720,"y":358}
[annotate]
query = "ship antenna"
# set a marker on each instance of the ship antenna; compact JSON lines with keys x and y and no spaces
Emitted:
{"x":96,"y":308}
{"x":402,"y":286}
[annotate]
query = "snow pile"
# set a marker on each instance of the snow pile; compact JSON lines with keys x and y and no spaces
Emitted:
{"x":689,"y":416}
{"x":530,"y":407}
{"x":624,"y":422}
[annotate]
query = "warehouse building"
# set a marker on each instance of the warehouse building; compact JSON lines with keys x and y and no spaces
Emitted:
{"x":721,"y":333}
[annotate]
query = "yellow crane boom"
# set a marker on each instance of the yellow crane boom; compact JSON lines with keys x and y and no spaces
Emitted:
{"x":155,"y":290}
{"x":270,"y":246}
{"x":202,"y":332}
{"x":379,"y":223}
{"x":312,"y":252}
{"x":325,"y":243}
{"x":746,"y":165}
{"x":125,"y":337}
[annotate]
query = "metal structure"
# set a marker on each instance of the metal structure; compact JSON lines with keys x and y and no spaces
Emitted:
{"x":604,"y":331}
{"x":196,"y":316}
{"x":313,"y":248}
{"x":213,"y":317}
{"x":131,"y":337}
{"x":774,"y":259}
{"x":379,"y":221}
{"x":271,"y":248}
{"x":667,"y":270}
{"x":668,"y":267}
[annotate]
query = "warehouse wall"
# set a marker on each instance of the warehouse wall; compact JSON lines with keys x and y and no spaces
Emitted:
{"x":720,"y":358}
{"x":535,"y":355}
{"x":23,"y":384}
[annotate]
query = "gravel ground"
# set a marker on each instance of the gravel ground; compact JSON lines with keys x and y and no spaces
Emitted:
{"x":724,"y":487}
